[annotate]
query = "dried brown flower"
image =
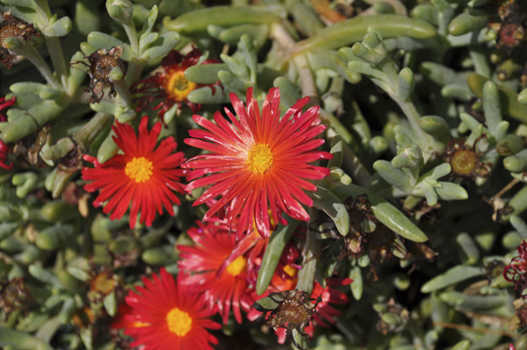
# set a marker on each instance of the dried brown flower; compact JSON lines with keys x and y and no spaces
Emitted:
{"x":10,"y":26}
{"x":101,"y":64}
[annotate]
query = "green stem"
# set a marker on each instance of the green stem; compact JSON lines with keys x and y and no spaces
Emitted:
{"x":307,"y":82}
{"x":90,"y":131}
{"x":479,"y":57}
{"x":129,"y":28}
{"x":124,"y":93}
{"x":43,"y":11}
{"x":135,"y":68}
{"x":306,"y":275}
{"x":32,"y":55}
{"x":334,"y":123}
{"x":428,"y":143}
{"x":57,"y":57}
{"x":352,"y":165}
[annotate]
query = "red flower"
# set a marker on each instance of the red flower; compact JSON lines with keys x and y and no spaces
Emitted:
{"x":171,"y":86}
{"x":143,"y":176}
{"x":515,"y":271}
{"x":4,"y":150}
{"x":214,"y":243}
{"x":258,"y":163}
{"x":126,"y":318}
{"x":168,"y":315}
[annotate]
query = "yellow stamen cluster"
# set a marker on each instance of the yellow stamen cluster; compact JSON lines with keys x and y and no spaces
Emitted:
{"x":260,"y":158}
{"x":238,"y":266}
{"x":103,"y":283}
{"x":139,"y":169}
{"x":179,"y":322}
{"x":290,"y":270}
{"x":178,"y":87}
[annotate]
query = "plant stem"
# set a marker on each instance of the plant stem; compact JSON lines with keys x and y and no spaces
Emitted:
{"x":129,"y":28}
{"x":427,"y":142}
{"x":57,"y":57}
{"x":476,"y":330}
{"x":89,"y":132}
{"x":306,"y":275}
{"x":135,"y":68}
{"x":307,"y":83}
{"x":124,"y":92}
{"x":32,"y":55}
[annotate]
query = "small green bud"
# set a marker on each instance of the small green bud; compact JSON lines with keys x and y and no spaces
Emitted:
{"x":120,"y":10}
{"x":14,"y":43}
{"x":117,"y":74}
{"x":516,"y":163}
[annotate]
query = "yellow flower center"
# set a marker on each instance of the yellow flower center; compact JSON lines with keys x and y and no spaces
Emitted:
{"x":179,"y":322}
{"x":260,"y":158}
{"x":103,"y":283}
{"x":238,"y":266}
{"x":139,"y":169}
{"x":290,"y":270}
{"x":178,"y":87}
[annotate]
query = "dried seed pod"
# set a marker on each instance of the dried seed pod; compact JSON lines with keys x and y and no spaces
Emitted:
{"x":291,"y":309}
{"x":101,"y":64}
{"x":28,"y":149}
{"x":10,"y":27}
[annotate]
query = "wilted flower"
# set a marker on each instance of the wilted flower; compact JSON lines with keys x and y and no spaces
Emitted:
{"x":515,"y":271}
{"x":9,"y":27}
{"x":102,"y":284}
{"x":14,"y":295}
{"x":172,"y":87}
{"x":223,"y":288}
{"x":101,"y":64}
{"x":285,"y":279}
{"x":259,"y":163}
{"x":325,"y":313}
{"x":166,"y":314}
{"x":143,"y":175}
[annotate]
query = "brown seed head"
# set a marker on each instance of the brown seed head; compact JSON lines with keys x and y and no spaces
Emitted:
{"x":292,"y":311}
{"x":9,"y":27}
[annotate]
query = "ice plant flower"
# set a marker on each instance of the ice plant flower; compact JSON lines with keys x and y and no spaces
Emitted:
{"x":166,"y":314}
{"x":516,"y":270}
{"x":171,"y":86}
{"x":4,"y":150}
{"x":143,"y":175}
{"x":259,"y":163}
{"x":12,"y":27}
{"x":214,"y":243}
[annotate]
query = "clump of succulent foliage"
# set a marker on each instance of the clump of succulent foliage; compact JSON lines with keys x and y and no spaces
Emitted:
{"x":413,"y":227}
